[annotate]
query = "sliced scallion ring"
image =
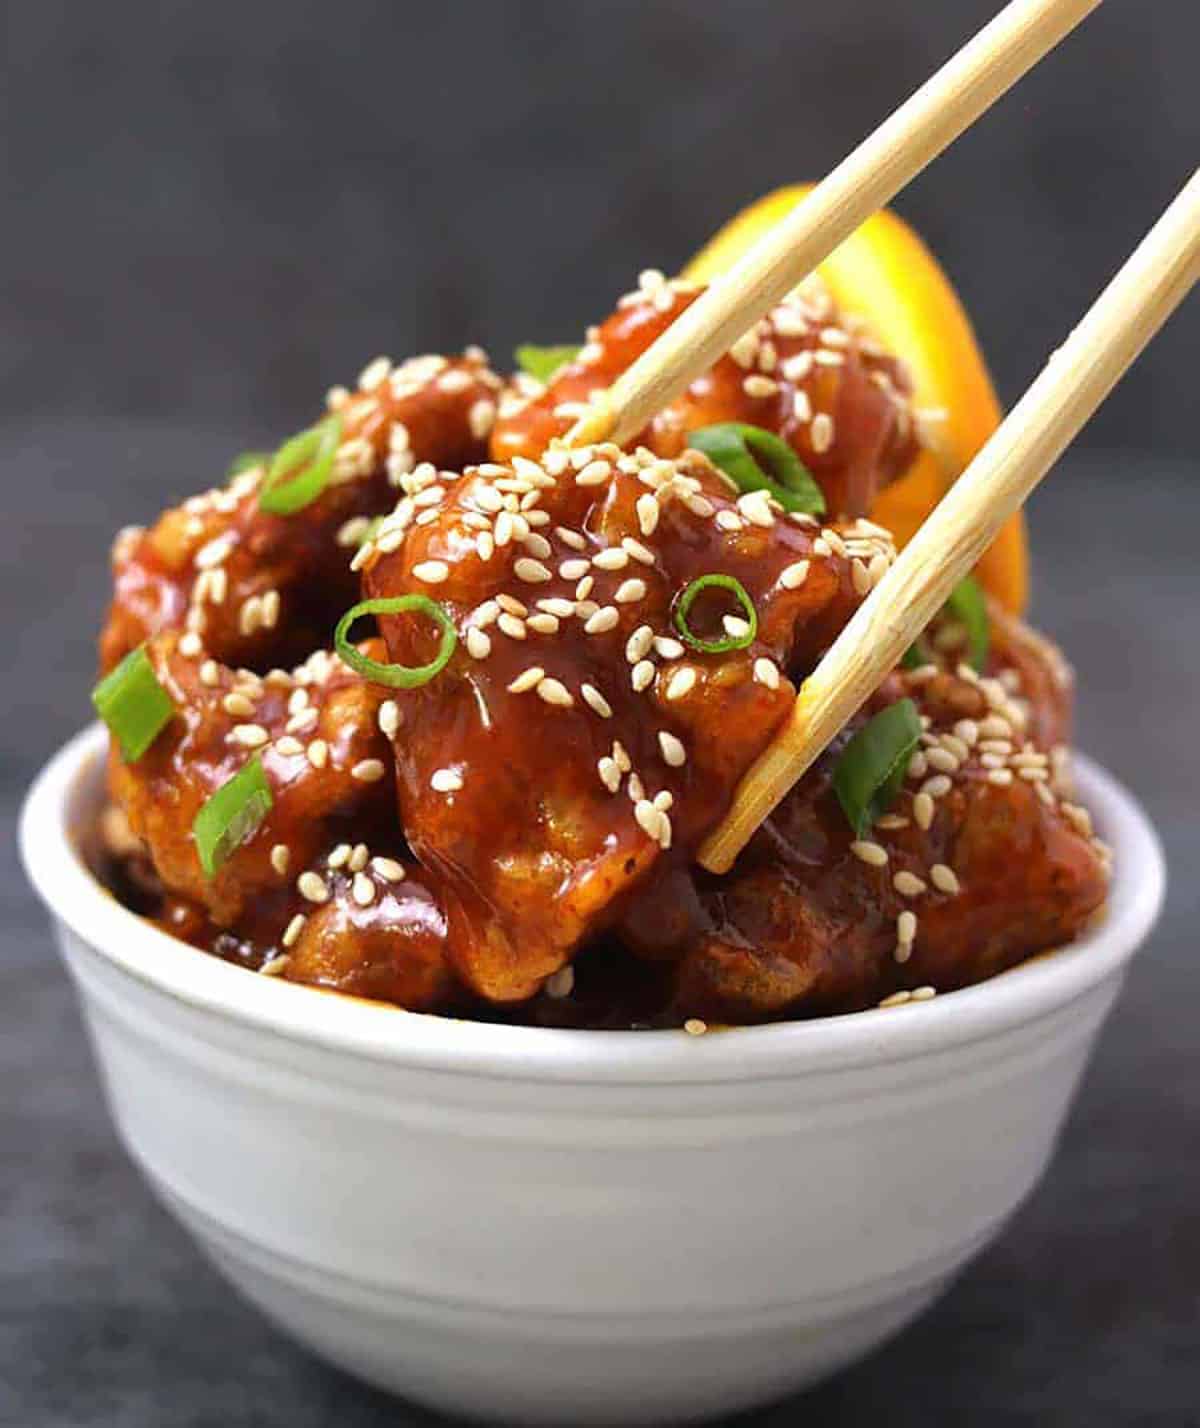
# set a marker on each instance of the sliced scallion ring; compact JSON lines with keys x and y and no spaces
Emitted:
{"x":300,"y":469}
{"x":134,"y":704}
{"x":729,"y":642}
{"x":397,"y":676}
{"x":232,"y":815}
{"x":758,"y":460}
{"x":541,"y":363}
{"x":247,"y":461}
{"x":871,"y":770}
{"x":967,"y":604}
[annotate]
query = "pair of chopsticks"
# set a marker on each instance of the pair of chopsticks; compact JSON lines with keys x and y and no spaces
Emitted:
{"x":1053,"y":410}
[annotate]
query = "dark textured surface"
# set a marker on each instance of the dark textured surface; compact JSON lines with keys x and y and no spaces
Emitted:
{"x":1085,"y":1313}
{"x":212,"y":211}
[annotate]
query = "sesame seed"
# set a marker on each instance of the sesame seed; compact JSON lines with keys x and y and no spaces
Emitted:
{"x":210,"y":673}
{"x":250,"y":736}
{"x":672,"y":748}
{"x":794,"y":575}
{"x":756,"y":385}
{"x":511,"y":626}
{"x":639,"y":643}
{"x":643,"y":675}
{"x":897,"y":999}
{"x":694,"y":1026}
{"x":937,"y":786}
{"x":368,"y":770}
{"x":735,"y":627}
{"x":630,"y":591}
{"x":388,"y":869}
{"x":585,"y":588}
{"x":637,"y":793}
{"x":527,"y":680}
{"x":294,"y":928}
{"x":312,"y":887}
{"x":821,"y":431}
{"x":363,"y":890}
{"x":610,"y":773}
{"x":620,"y":757}
{"x":801,"y":407}
{"x":512,"y":606}
{"x":595,"y":473}
{"x":603,"y":620}
{"x":729,"y":520}
{"x":681,"y":682}
{"x":237,"y":704}
{"x":648,"y":818}
{"x":543,"y":624}
{"x":923,"y":810}
{"x":596,"y":701}
{"x":647,"y":513}
{"x":374,"y":374}
{"x":533,"y":572}
{"x":860,"y":577}
{"x":339,"y":857}
{"x":1000,"y":777}
{"x":358,"y":858}
{"x":281,"y":857}
{"x":446,"y":781}
{"x":190,"y":645}
{"x":318,"y":753}
{"x":942,"y":760}
{"x":432,"y":572}
{"x":873,"y":854}
{"x":906,"y":926}
{"x":908,"y":884}
{"x":554,"y":692}
{"x":289,"y":746}
{"x":639,"y":551}
{"x":613,"y":558}
{"x":574,"y":569}
{"x":944,"y":878}
{"x":479,"y":646}
{"x":572,"y":538}
{"x":389,"y":718}
{"x":756,"y":508}
{"x":667,"y":647}
{"x":765,"y":672}
{"x":924,"y":994}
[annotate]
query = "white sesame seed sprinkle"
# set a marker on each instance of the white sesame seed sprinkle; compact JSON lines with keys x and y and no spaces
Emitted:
{"x":630,"y":591}
{"x":281,"y":857}
{"x":606,"y":618}
{"x":388,"y":869}
{"x":528,"y":679}
{"x":368,"y":770}
{"x":446,"y":781}
{"x":681,"y":682}
{"x":908,"y":884}
{"x":431,"y":572}
{"x":673,"y":752}
{"x":766,"y":672}
{"x":293,"y":930}
{"x":596,"y":701}
{"x":643,"y":675}
{"x":553,"y":691}
{"x":944,"y":878}
{"x":875,"y":855}
{"x":250,"y":736}
{"x":312,"y":887}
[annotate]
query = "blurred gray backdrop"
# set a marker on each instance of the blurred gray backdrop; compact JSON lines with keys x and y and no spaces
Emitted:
{"x":215,"y":210}
{"x":212,"y":211}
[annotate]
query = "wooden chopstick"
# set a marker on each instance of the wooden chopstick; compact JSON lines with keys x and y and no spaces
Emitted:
{"x":1077,"y":378}
{"x":869,"y":177}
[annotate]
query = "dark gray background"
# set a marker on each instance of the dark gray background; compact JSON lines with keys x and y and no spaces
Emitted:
{"x":212,"y":211}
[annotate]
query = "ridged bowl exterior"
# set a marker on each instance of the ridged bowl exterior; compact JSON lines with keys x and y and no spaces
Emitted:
{"x":572,"y":1227}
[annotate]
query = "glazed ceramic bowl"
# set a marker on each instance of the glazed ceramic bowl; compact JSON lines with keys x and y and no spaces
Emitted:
{"x":566,"y":1227}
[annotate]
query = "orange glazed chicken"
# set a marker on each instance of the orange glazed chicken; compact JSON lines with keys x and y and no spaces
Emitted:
{"x":428,"y":707}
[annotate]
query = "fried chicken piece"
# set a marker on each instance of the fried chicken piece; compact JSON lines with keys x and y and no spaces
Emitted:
{"x":573,"y":739}
{"x":803,"y":372}
{"x":980,"y":864}
{"x":325,"y":758}
{"x":265,"y":589}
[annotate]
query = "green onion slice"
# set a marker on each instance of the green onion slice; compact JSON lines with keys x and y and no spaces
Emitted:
{"x":869,"y":773}
{"x":397,"y":676}
{"x":758,"y":460}
{"x":232,"y":815}
{"x":967,"y":604}
{"x":301,"y":468}
{"x":247,"y":461}
{"x":729,"y":642}
{"x":542,"y":363}
{"x":134,"y":704}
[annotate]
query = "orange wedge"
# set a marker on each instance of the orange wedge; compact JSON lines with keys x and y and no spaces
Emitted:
{"x":886,"y":275}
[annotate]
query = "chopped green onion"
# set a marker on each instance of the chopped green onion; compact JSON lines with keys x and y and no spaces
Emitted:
{"x":758,"y":460}
{"x":967,"y":604}
{"x":542,"y":363}
{"x":134,"y":704}
{"x":232,"y":815}
{"x":869,"y":773}
{"x":301,"y":468}
{"x":247,"y":461}
{"x":398,"y":676}
{"x":731,"y":642}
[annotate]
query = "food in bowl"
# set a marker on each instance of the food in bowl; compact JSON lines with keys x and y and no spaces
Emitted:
{"x":490,"y":806}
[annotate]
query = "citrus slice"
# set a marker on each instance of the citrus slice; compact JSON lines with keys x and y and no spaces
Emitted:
{"x":886,"y":275}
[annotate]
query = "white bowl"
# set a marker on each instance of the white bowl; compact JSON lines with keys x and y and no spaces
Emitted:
{"x":579,"y":1227}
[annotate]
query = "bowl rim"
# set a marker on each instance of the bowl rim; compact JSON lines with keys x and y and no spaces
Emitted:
{"x":381,"y":1032}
